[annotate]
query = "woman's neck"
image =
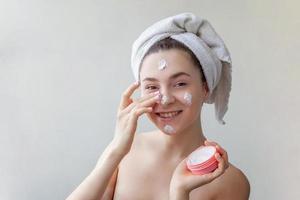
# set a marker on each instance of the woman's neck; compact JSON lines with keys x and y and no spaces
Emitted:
{"x":183,"y":143}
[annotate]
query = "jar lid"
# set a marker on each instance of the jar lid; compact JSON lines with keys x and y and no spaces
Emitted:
{"x":201,"y":155}
{"x":202,"y":160}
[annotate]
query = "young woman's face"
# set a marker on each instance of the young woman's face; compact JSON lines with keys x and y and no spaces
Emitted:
{"x":173,"y":74}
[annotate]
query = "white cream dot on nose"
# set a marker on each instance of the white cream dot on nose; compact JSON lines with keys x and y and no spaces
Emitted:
{"x":164,"y":99}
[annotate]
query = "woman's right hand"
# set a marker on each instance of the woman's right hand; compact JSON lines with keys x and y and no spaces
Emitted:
{"x":127,"y":116}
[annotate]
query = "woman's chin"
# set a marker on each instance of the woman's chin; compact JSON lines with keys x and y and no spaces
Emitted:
{"x":166,"y":126}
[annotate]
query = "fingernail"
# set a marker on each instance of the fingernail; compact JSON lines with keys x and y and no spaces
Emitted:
{"x":136,"y":83}
{"x":157,"y":97}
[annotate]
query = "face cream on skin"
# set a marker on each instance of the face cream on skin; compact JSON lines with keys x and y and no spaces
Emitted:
{"x":164,"y":99}
{"x":162,"y":64}
{"x":202,"y":160}
{"x":187,"y":98}
{"x":169,"y":129}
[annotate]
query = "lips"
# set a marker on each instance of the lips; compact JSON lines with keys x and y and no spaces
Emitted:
{"x":164,"y":116}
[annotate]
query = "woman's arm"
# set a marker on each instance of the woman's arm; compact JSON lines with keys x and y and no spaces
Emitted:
{"x":95,"y":184}
{"x":110,"y":190}
{"x":179,"y":195}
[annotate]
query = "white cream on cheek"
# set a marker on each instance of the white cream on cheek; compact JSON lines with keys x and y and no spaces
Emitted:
{"x":187,"y":98}
{"x":169,"y":129}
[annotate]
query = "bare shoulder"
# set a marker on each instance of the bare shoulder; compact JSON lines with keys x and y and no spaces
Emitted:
{"x":233,"y":185}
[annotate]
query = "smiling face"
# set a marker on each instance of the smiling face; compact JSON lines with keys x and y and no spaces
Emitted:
{"x":180,"y":85}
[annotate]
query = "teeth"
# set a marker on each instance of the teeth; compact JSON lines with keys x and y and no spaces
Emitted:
{"x":168,"y":115}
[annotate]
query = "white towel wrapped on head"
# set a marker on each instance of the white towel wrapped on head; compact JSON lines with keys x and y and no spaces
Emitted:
{"x":201,"y":38}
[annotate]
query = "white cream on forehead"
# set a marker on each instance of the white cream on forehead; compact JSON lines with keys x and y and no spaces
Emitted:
{"x":169,"y":129}
{"x":162,"y":64}
{"x":187,"y":98}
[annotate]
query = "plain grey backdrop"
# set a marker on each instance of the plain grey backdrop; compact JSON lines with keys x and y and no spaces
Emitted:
{"x":64,"y":65}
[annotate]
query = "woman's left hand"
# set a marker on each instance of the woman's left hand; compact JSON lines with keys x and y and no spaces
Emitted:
{"x":183,"y":181}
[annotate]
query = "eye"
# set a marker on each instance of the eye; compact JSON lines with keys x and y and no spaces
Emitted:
{"x":150,"y":87}
{"x":180,"y":84}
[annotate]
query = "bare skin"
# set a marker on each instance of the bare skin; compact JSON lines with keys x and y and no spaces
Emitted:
{"x":150,"y":178}
{"x":152,"y":165}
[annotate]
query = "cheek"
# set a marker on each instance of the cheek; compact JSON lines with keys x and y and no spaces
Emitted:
{"x":191,"y":100}
{"x":186,"y":98}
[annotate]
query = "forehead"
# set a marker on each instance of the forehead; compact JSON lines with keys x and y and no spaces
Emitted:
{"x":177,"y":61}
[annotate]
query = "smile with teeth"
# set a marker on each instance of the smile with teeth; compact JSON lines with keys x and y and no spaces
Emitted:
{"x":169,"y":114}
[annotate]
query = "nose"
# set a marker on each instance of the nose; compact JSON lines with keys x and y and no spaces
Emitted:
{"x":166,"y":98}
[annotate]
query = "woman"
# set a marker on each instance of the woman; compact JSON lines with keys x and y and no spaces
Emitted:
{"x":175,"y":81}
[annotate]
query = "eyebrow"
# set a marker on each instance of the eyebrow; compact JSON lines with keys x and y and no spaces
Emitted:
{"x":172,"y":77}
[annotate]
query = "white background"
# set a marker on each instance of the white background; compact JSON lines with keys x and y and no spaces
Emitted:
{"x":64,"y":65}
